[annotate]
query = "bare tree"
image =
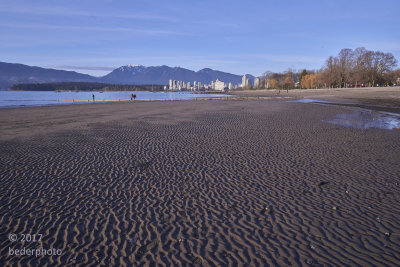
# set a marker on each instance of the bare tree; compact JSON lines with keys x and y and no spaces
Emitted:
{"x":393,"y":77}
{"x":264,"y":77}
{"x":331,"y":72}
{"x":382,"y":63}
{"x":345,"y":66}
{"x":360,"y":66}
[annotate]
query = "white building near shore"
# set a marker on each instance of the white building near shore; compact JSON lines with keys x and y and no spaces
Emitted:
{"x":219,"y":86}
{"x":197,"y":86}
{"x":256,"y":82}
{"x":244,"y":81}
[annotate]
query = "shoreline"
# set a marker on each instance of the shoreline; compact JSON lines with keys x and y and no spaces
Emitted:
{"x":344,"y":94}
{"x":88,"y":102}
{"x":45,"y":98}
{"x":375,"y":98}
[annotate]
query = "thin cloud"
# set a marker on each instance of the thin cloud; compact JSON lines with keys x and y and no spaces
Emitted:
{"x":217,"y":62}
{"x":282,"y":58}
{"x":215,"y":23}
{"x":85,"y":68}
{"x":62,"y":11}
{"x":97,"y":28}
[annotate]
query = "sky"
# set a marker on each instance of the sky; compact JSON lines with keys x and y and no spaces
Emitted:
{"x":240,"y":37}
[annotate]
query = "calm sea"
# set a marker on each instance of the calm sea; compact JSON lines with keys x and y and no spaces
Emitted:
{"x":9,"y":99}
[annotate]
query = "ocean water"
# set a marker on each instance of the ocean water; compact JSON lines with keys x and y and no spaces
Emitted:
{"x":15,"y":99}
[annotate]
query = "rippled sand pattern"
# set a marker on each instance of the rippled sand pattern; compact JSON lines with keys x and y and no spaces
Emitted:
{"x":253,"y":183}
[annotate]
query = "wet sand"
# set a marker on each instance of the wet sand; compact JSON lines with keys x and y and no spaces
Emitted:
{"x":377,"y":98}
{"x":201,"y":183}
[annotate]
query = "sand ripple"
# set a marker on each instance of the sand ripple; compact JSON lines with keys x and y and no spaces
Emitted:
{"x":250,"y":182}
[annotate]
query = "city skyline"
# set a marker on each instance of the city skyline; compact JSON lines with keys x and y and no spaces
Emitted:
{"x":235,"y":37}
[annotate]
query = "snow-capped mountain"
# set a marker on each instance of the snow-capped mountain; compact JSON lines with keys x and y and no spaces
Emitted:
{"x":138,"y":74}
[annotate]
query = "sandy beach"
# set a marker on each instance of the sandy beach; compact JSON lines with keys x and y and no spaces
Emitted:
{"x":249,"y":182}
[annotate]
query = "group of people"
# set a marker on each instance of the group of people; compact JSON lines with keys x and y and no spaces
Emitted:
{"x":133,"y":97}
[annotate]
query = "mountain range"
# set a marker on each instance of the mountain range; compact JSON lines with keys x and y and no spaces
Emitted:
{"x":12,"y":73}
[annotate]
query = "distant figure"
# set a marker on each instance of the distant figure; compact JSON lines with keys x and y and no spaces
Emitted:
{"x":93,"y":97}
{"x":131,"y":97}
{"x":134,"y":97}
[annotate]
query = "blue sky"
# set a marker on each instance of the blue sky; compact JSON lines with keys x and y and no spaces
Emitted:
{"x":240,"y":37}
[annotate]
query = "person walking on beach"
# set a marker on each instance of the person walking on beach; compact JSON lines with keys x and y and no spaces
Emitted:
{"x":93,"y":97}
{"x":131,"y":97}
{"x":134,"y":97}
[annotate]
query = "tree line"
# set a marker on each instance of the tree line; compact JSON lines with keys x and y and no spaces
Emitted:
{"x":350,"y":68}
{"x":83,"y":86}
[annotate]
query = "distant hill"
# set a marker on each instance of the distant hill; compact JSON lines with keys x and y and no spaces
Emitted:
{"x":11,"y":74}
{"x":83,"y":86}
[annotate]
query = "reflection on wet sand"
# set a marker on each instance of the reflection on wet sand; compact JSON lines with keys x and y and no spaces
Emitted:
{"x":365,"y":119}
{"x":361,"y":118}
{"x":311,"y":100}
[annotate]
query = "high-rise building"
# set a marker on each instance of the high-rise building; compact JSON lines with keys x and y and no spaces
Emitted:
{"x":244,"y":81}
{"x":248,"y":83}
{"x":219,"y":86}
{"x":230,"y":86}
{"x":170,"y":84}
{"x":256,"y":82}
